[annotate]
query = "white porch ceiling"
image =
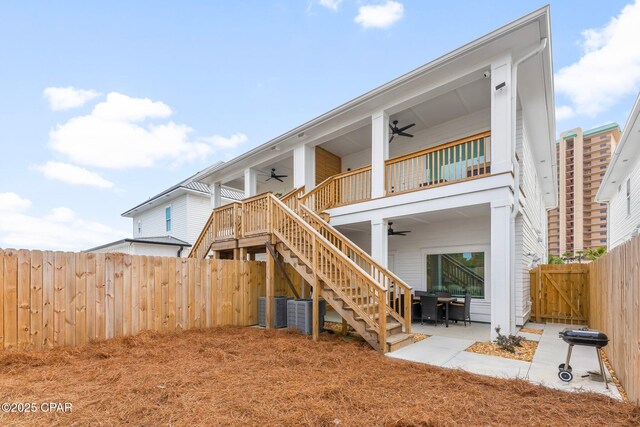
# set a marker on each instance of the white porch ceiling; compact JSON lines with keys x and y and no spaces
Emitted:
{"x":407,"y":222}
{"x":458,"y":102}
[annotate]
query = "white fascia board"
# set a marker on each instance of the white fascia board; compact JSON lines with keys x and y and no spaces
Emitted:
{"x":492,"y":189}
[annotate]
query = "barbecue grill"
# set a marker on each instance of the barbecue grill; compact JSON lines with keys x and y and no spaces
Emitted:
{"x":586,"y":337}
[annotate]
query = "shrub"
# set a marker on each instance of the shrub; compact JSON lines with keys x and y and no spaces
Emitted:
{"x":508,"y":343}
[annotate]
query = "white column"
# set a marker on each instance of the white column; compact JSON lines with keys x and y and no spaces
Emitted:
{"x":501,"y":116}
{"x":501,"y":286}
{"x":250,"y":182}
{"x":216,"y":195}
{"x":379,"y":152}
{"x":379,"y":241}
{"x":304,"y":167}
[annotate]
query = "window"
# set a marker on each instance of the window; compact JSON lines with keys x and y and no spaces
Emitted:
{"x":167,"y":217}
{"x":628,"y":196}
{"x":456,"y":273}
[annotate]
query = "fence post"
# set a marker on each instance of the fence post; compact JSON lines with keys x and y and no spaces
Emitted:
{"x":539,"y":294}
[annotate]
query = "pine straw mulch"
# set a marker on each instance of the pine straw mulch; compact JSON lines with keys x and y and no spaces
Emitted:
{"x":248,"y":376}
{"x":524,"y":353}
{"x":534,"y":331}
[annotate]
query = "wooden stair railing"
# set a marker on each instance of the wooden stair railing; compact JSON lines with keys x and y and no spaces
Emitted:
{"x":291,"y":198}
{"x":399,"y":293}
{"x":341,"y":189}
{"x":341,"y":274}
{"x":201,"y":247}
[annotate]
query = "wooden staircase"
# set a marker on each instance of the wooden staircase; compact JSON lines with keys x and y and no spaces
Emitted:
{"x":369,"y":297}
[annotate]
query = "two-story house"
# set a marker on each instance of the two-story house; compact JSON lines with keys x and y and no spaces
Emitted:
{"x":168,"y":223}
{"x":442,"y":176}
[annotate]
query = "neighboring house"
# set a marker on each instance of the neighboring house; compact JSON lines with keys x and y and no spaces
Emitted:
{"x":483,"y":123}
{"x":168,"y":223}
{"x":580,"y":222}
{"x":620,"y":186}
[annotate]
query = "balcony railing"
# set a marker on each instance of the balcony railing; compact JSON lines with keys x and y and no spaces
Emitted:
{"x":456,"y":161}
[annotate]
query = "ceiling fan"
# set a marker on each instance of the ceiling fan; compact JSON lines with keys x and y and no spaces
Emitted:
{"x":392,"y":232}
{"x":275,"y":176}
{"x":395,"y":130}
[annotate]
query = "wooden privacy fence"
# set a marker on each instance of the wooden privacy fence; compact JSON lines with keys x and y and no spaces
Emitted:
{"x":615,"y":309}
{"x":560,"y":293}
{"x":52,"y":299}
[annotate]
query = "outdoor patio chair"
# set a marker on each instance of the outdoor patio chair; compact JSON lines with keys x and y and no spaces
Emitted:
{"x":430,"y":309}
{"x":461,"y":311}
{"x":443,"y":294}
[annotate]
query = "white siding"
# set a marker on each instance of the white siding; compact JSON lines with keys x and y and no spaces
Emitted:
{"x":440,"y":237}
{"x":125,"y":248}
{"x":132,"y":248}
{"x":153,"y":220}
{"x":530,"y":226}
{"x":198,"y":211}
{"x":622,"y":225}
{"x":452,"y":130}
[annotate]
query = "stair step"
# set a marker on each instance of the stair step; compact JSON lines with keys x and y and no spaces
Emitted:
{"x":390,"y":326}
{"x":397,"y":341}
{"x":363,"y":306}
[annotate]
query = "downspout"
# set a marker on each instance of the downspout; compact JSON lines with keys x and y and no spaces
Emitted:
{"x":180,"y":251}
{"x":516,"y":165}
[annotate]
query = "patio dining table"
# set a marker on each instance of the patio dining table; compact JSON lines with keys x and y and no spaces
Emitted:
{"x":446,"y":301}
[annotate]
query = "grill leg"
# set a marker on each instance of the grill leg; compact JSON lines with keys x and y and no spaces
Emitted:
{"x":566,"y":364}
{"x":602,"y":371}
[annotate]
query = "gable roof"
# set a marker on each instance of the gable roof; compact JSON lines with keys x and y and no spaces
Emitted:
{"x":624,"y":158}
{"x":190,"y":184}
{"x":159,"y":240}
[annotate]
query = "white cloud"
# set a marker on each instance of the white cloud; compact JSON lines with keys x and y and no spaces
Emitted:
{"x":61,"y":229}
{"x":330,"y":4}
{"x":564,"y":112}
{"x":119,"y":107}
{"x":65,"y":98}
{"x":72,"y":174}
{"x":228,"y":143}
{"x":117,"y":135}
{"x":609,"y":68}
{"x":381,"y":15}
{"x":12,"y":203}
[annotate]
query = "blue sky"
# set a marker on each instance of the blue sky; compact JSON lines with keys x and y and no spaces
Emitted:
{"x":164,"y":89}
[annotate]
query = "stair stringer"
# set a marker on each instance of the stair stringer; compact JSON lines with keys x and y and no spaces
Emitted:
{"x":330,"y":297}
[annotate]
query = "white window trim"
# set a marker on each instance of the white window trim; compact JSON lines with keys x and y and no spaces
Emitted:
{"x":459,"y":249}
{"x":170,"y":218}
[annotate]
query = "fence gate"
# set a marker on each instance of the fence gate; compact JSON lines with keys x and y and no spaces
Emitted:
{"x":560,"y":293}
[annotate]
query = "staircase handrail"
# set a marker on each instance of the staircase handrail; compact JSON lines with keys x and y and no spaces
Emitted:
{"x":319,"y":240}
{"x":383,"y":275}
{"x":207,"y":229}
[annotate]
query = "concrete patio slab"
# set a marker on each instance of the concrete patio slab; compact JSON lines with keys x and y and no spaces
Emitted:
{"x":445,"y":348}
{"x":492,"y":366}
{"x":433,"y":351}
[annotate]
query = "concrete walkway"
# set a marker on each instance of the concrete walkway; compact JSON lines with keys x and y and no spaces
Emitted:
{"x":446,"y":349}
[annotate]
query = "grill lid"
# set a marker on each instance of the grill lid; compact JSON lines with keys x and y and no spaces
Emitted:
{"x":584,"y":336}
